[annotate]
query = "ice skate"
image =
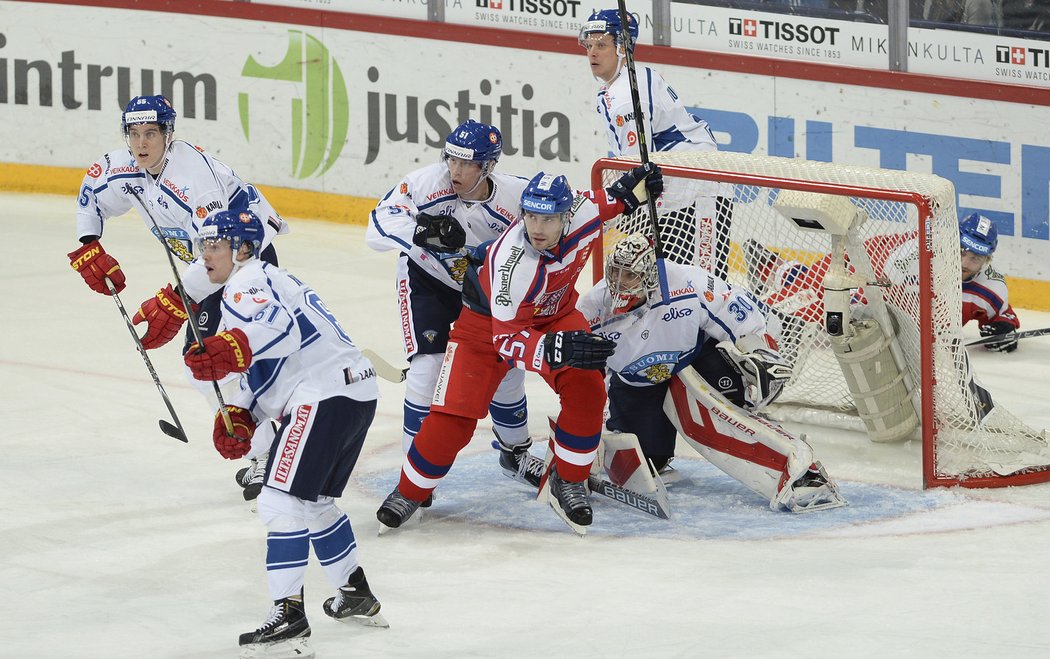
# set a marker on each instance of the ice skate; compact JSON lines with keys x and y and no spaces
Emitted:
{"x":283,"y":636}
{"x":571,"y":499}
{"x":355,"y":602}
{"x":397,"y":509}
{"x":814,"y":490}
{"x":518,"y":463}
{"x":251,"y":478}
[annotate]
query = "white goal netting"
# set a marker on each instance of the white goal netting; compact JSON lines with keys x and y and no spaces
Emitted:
{"x":726,"y":212}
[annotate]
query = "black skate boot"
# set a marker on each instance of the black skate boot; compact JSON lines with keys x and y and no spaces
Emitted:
{"x":396,"y":509}
{"x":518,"y":463}
{"x":251,"y":478}
{"x":572,"y":497}
{"x":355,"y":601}
{"x":284,"y":634}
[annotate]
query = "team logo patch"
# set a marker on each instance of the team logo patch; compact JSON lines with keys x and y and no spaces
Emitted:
{"x":709,"y":296}
{"x":619,"y":120}
{"x":430,"y":335}
{"x":246,"y":217}
{"x":94,"y":170}
{"x":404,"y":188}
{"x":236,"y":297}
{"x":201,"y":213}
{"x":493,"y":138}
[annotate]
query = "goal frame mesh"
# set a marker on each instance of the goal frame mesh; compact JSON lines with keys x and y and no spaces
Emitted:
{"x":750,"y":170}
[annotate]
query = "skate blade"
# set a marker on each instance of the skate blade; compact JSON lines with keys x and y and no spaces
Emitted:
{"x":295,"y":648}
{"x":556,"y":507}
{"x":374,"y":620}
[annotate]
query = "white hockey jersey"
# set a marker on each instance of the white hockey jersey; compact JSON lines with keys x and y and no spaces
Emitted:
{"x":429,"y":190}
{"x":669,"y":126}
{"x":191,"y":185}
{"x":300,"y":353}
{"x":653,"y":342}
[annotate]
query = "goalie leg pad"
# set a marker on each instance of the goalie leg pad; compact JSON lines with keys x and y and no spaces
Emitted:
{"x":758,"y":453}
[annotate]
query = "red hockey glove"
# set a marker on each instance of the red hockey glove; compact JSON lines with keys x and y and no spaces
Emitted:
{"x":164,"y":314}
{"x":226,"y":352}
{"x":94,"y":265}
{"x":237,"y":446}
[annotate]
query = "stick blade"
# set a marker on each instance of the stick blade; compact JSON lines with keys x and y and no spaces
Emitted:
{"x":171,"y":430}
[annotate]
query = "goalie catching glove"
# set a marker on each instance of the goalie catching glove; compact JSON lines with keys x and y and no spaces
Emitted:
{"x":439,"y":233}
{"x":94,"y":265}
{"x":577,"y":349}
{"x":759,"y":364}
{"x":164,"y":315}
{"x":240,"y":443}
{"x":226,"y":352}
{"x":632,"y":187}
{"x":1008,"y":332}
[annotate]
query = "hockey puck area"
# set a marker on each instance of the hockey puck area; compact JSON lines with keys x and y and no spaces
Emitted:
{"x":705,"y":504}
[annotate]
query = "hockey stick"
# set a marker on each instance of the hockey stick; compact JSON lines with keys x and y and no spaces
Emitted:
{"x":1025,"y":334}
{"x":643,"y":151}
{"x":166,"y":427}
{"x":188,"y":306}
{"x":647,"y":505}
{"x":385,"y":369}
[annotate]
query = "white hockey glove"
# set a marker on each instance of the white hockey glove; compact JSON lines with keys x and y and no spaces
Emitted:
{"x":761,"y":367}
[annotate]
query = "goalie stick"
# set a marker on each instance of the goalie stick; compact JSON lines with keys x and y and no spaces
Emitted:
{"x":1024,"y":334}
{"x":188,"y":306}
{"x":385,"y":369}
{"x":648,"y":505}
{"x":643,"y":151}
{"x":171,"y":430}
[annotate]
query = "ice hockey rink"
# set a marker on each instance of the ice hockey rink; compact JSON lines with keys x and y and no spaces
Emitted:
{"x":118,"y":541}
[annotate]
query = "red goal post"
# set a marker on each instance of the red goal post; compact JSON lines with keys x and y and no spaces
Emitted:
{"x":750,"y":219}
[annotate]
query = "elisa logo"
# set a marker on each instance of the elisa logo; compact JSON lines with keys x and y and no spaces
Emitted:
{"x":320,"y":112}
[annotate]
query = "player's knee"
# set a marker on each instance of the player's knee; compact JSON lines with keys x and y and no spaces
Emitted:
{"x":421,"y":378}
{"x":280,"y":511}
{"x":321,"y":513}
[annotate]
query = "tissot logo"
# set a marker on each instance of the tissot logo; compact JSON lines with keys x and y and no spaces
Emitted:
{"x":563,"y":8}
{"x":783,"y":31}
{"x":1021,"y":56}
{"x":747,"y":27}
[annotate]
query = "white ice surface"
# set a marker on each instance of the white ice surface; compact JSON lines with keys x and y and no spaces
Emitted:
{"x":117,"y":541}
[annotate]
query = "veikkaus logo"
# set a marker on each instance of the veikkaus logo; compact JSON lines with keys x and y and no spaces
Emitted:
{"x":320,"y":113}
{"x":783,"y":31}
{"x":561,"y":8}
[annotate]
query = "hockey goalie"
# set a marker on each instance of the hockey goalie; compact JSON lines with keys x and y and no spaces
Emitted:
{"x":700,"y":363}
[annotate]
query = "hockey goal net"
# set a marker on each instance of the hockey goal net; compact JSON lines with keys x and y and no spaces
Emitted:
{"x":769,"y":225}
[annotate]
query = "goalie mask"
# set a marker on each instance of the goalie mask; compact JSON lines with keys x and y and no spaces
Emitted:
{"x":238,"y":227}
{"x":149,"y":110}
{"x":630,"y":272}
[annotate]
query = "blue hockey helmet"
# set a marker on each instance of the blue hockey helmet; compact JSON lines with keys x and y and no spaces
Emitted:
{"x":547,"y":194}
{"x":149,"y":110}
{"x":978,"y":234}
{"x":239,"y":227}
{"x":607,"y":21}
{"x":476,"y":142}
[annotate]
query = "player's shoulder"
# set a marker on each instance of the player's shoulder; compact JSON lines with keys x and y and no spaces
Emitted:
{"x":248,"y":289}
{"x":118,"y":162}
{"x":426,"y":183}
